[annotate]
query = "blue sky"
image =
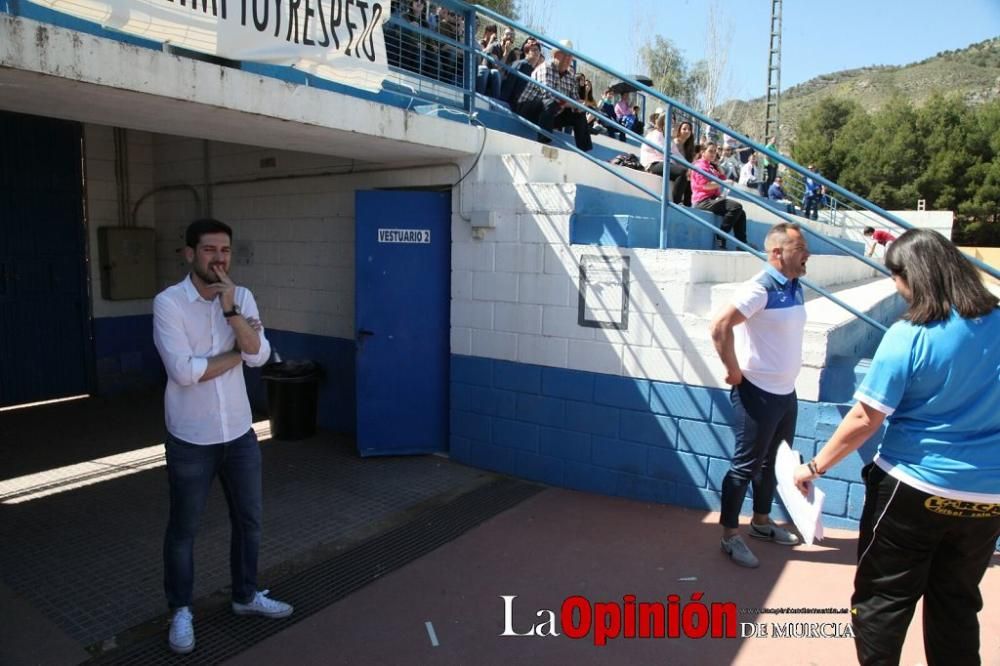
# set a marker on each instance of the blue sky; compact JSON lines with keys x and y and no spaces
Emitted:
{"x":817,"y":37}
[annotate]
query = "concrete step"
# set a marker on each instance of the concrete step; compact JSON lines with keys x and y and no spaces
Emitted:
{"x":715,"y":276}
{"x":834,"y":340}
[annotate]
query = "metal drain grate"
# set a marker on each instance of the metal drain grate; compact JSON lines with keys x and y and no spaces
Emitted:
{"x":222,"y":635}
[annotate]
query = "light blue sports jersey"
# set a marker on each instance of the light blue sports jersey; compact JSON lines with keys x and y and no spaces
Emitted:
{"x":940,"y":387}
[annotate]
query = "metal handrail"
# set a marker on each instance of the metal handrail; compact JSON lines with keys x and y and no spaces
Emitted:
{"x":835,"y":204}
{"x":686,"y":212}
{"x":850,"y":196}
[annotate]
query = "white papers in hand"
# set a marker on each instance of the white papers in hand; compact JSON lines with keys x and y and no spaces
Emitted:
{"x":805,"y":511}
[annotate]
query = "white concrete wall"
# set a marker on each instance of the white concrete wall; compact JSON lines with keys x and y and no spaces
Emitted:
{"x":69,"y":74}
{"x":102,"y":203}
{"x":293,"y":237}
{"x":854,"y":223}
{"x":516,"y":289}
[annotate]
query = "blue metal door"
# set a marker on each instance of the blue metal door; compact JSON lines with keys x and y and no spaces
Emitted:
{"x":45,"y":346}
{"x":402,"y":292}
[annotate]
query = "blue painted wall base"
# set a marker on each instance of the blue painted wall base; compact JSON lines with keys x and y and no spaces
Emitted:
{"x":127,"y":360}
{"x":336,"y":407}
{"x":125,"y":355}
{"x":645,"y":440}
{"x":619,"y":220}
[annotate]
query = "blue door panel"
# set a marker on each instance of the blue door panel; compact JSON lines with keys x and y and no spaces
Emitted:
{"x":45,"y":349}
{"x":403,"y":285}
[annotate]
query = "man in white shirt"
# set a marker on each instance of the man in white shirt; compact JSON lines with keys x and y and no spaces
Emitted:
{"x":748,"y":173}
{"x":759,"y":339}
{"x":205,"y":328}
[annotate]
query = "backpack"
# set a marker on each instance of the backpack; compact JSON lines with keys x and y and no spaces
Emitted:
{"x":627,"y":160}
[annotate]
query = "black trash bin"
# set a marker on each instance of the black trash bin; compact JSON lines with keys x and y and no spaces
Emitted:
{"x":292,"y":393}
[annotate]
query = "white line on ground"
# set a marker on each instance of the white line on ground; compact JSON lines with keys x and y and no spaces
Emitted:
{"x":431,"y":633}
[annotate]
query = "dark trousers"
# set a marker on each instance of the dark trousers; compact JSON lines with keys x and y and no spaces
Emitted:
{"x":763,"y":421}
{"x":613,"y":127}
{"x":771,"y":172}
{"x":907,"y":550}
{"x":190,"y":470}
{"x":810,"y":205}
{"x":733,"y":218}
{"x":656,"y":167}
{"x":680,"y":186}
{"x":551,"y":116}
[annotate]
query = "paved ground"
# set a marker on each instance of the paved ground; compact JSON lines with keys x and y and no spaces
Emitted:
{"x":83,"y":505}
{"x":561,"y":543}
{"x":80,"y":563}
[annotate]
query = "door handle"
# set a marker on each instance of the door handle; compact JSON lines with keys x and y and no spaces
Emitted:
{"x":363,"y":333}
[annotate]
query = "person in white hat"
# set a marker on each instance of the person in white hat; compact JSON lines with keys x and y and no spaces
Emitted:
{"x":548,"y":111}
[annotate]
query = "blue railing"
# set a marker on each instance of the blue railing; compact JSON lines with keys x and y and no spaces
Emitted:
{"x":440,"y":68}
{"x":673,"y":106}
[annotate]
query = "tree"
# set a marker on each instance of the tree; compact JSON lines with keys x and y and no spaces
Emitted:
{"x":507,"y":8}
{"x":946,"y":152}
{"x":665,"y":65}
{"x":536,"y":14}
{"x":818,"y":131}
{"x":707,"y":75}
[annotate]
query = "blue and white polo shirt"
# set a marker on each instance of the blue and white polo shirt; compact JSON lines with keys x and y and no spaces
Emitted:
{"x":940,"y":387}
{"x":769,"y":344}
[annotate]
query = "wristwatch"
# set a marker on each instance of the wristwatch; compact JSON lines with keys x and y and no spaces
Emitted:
{"x":231,"y":313}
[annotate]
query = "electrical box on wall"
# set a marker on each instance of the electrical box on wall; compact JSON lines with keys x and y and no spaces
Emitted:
{"x":128,"y":262}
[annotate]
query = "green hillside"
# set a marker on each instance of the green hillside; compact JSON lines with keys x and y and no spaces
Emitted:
{"x":972,"y":72}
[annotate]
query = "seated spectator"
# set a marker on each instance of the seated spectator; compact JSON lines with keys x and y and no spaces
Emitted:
{"x":549,"y":112}
{"x":776,"y":193}
{"x":432,"y":18}
{"x":623,"y":113}
{"x":513,"y":86}
{"x":608,"y":109}
{"x":748,"y":173}
{"x":411,"y":45}
{"x":730,"y":164}
{"x":650,"y":158}
{"x":594,"y":117}
{"x":509,"y":52}
{"x":393,"y":36}
{"x":448,"y":27}
{"x":812,"y":196}
{"x":681,"y":145}
{"x":707,"y":195}
{"x":875,"y":237}
{"x":488,"y":77}
{"x":639,"y":126}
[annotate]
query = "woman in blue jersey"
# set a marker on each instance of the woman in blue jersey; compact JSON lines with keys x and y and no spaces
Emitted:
{"x":931,"y":517}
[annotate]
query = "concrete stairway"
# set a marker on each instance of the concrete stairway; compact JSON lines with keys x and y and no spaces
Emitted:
{"x":536,"y":196}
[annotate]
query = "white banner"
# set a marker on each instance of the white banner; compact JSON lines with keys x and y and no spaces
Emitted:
{"x":334,"y":39}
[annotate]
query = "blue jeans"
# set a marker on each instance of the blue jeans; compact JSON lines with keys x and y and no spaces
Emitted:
{"x":190,"y":470}
{"x":488,"y":82}
{"x":763,"y":420}
{"x":810,"y":205}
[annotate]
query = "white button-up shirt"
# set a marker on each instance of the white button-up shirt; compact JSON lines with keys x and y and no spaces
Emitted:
{"x":187,"y":331}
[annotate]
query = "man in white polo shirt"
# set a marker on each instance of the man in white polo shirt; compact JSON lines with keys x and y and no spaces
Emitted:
{"x":205,"y":328}
{"x":759,"y":339}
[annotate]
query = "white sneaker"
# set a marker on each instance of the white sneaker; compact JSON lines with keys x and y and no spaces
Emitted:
{"x":181,"y":636}
{"x":739,"y":553}
{"x":263,"y":606}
